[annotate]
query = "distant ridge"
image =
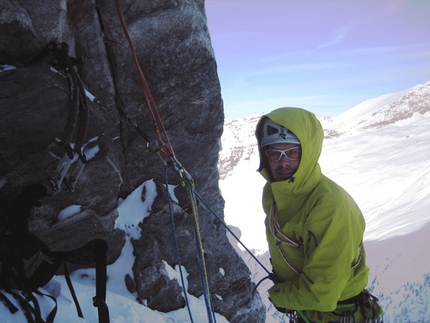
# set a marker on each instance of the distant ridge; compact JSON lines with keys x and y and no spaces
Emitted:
{"x":381,"y":111}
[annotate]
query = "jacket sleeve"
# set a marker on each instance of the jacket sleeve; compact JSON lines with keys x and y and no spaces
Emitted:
{"x":332,"y":234}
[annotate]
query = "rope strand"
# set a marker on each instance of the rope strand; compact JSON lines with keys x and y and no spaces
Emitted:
{"x":175,"y":239}
{"x":188,"y":184}
{"x":232,"y":233}
{"x":156,"y":119}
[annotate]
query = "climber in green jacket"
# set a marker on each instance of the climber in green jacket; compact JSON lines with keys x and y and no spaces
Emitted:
{"x":314,"y":228}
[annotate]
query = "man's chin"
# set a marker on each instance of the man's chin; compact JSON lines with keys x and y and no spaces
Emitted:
{"x":283,"y":177}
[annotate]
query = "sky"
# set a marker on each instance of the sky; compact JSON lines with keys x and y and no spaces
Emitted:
{"x":322,"y":55}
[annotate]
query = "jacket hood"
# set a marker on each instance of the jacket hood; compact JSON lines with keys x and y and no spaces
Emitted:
{"x":309,"y":131}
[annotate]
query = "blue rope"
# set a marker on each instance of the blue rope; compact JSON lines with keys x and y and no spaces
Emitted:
{"x":209,"y":308}
{"x":205,"y":283}
{"x":206,"y":292}
{"x":178,"y":257}
{"x":187,"y":182}
{"x":232,"y":233}
{"x":202,"y":267}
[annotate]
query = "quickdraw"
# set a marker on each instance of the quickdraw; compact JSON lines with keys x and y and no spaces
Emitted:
{"x":73,"y":139}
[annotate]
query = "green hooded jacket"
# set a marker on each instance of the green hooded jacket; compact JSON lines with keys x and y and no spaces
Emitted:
{"x":320,"y":260}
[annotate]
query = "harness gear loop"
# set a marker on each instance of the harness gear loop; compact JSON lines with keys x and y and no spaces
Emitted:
{"x":364,"y":303}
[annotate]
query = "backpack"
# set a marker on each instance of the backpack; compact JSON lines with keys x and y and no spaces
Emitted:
{"x":27,"y":263}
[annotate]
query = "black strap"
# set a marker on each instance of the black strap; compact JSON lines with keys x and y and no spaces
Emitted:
{"x":99,"y":300}
{"x":33,"y":313}
{"x":10,"y":306}
{"x":28,"y":310}
{"x":93,"y":251}
{"x":72,"y":291}
{"x":51,"y":316}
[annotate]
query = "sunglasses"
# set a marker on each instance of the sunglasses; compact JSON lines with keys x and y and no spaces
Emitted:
{"x":275,"y":155}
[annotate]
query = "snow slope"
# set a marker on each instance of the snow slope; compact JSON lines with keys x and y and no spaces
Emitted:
{"x":379,"y":151}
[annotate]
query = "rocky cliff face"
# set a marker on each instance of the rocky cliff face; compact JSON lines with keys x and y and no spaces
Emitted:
{"x":238,"y":142}
{"x":174,"y":49}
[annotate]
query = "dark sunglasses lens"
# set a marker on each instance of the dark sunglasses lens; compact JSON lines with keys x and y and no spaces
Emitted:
{"x":273,"y":155}
{"x":293,"y":153}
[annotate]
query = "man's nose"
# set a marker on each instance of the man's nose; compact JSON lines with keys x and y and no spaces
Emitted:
{"x":285,"y":161}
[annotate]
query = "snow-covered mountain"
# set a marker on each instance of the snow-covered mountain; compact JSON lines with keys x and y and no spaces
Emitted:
{"x":379,"y":151}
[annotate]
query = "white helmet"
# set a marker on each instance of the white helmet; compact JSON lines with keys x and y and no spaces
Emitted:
{"x":274,"y":133}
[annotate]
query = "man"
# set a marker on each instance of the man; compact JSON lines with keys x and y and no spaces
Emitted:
{"x":314,"y":228}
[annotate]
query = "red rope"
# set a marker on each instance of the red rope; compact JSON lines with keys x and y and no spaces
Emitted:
{"x":167,"y":150}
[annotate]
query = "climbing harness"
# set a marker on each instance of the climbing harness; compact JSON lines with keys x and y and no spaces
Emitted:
{"x":346,"y":310}
{"x":73,"y":139}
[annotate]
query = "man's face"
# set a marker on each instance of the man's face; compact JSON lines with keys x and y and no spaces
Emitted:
{"x":283,"y":159}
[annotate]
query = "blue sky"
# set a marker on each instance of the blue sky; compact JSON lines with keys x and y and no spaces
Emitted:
{"x":322,"y":55}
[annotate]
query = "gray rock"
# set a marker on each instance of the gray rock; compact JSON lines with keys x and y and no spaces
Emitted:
{"x":173,"y":47}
